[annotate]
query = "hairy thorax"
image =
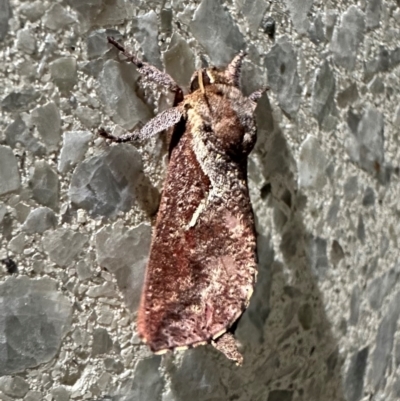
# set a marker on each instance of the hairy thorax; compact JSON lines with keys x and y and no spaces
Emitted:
{"x":223,"y":117}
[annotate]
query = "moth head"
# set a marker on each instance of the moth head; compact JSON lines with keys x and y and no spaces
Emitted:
{"x":208,"y":76}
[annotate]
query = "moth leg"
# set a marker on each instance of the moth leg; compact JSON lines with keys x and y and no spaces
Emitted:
{"x":150,"y":72}
{"x":255,"y":96}
{"x":160,"y":122}
{"x":227,"y":345}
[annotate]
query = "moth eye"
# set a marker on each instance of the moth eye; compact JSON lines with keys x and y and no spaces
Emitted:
{"x":207,"y":128}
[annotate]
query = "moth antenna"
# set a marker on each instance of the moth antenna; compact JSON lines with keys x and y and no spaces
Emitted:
{"x":201,"y":84}
{"x":232,"y":72}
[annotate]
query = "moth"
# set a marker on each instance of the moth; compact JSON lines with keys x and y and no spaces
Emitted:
{"x":202,"y":265}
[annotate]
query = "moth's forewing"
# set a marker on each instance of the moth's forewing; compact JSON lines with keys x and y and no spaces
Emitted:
{"x":202,"y":263}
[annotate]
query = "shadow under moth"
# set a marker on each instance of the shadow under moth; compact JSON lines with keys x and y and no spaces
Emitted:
{"x":202,"y":265}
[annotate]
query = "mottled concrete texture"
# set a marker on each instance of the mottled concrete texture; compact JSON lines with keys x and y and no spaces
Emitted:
{"x":75,"y":213}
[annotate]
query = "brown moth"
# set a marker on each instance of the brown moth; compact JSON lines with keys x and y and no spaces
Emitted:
{"x":202,"y":265}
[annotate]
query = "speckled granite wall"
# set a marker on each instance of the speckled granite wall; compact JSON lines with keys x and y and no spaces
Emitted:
{"x":324,"y":177}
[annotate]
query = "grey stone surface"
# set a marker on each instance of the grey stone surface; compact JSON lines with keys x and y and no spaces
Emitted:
{"x":3,"y":211}
{"x":64,"y":72}
{"x":252,"y":78}
{"x":48,"y":123}
{"x":373,"y":13}
{"x":15,"y":387}
{"x":380,"y":63}
{"x":113,"y":12}
{"x":311,"y":164}
{"x":281,"y":64}
{"x":253,"y":11}
{"x":145,"y":31}
{"x":5,"y":397}
{"x":17,"y":244}
{"x":347,"y":37}
{"x":369,"y":197}
{"x":39,"y":220}
{"x":5,"y":14}
{"x":317,"y":30}
{"x":376,"y":86}
{"x":361,"y":229}
{"x":7,"y":222}
{"x":384,"y":342}
{"x":102,"y":342}
{"x":201,"y":383}
{"x":60,"y":394}
{"x":317,"y":255}
{"x":269,"y":26}
{"x":350,"y":188}
{"x":305,"y":316}
{"x":394,"y":57}
{"x":124,"y":253}
{"x":348,"y":96}
{"x":117,"y":91}
{"x":166,"y":20}
{"x":33,"y":10}
{"x":93,"y":68}
{"x":354,"y":382}
{"x":90,"y":118}
{"x":396,"y":118}
{"x":34,"y":319}
{"x":251,"y":326}
{"x":63,"y":245}
{"x":33,"y":395}
{"x":9,"y":174}
{"x":19,"y":100}
{"x":298,"y":11}
{"x":22,"y":210}
{"x":337,"y":253}
{"x":83,"y":270}
{"x":323,"y":97}
{"x":111,"y":182}
{"x":366,"y":138}
{"x":18,"y":132}
{"x":75,"y":145}
{"x":26,"y":42}
{"x":217,"y":32}
{"x":354,"y":306}
{"x":104,"y":381}
{"x":146,"y":383}
{"x":57,"y":18}
{"x":111,"y":365}
{"x":179,"y":60}
{"x":97,"y":44}
{"x":331,"y":16}
{"x":280,"y":395}
{"x":396,"y":389}
{"x":45,"y":185}
{"x":88,"y":11}
{"x":106,"y":290}
{"x":380,"y":287}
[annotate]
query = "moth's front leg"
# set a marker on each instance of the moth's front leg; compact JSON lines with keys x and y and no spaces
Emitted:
{"x":256,"y":95}
{"x":150,"y":72}
{"x":160,"y":122}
